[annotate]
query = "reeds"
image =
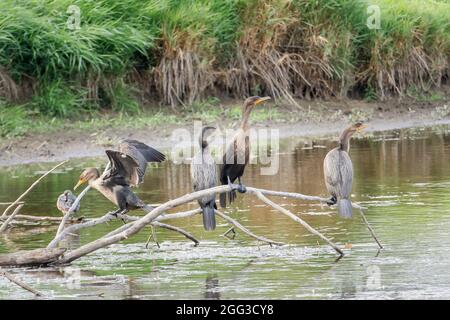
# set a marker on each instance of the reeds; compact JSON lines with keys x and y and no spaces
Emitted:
{"x":179,"y":51}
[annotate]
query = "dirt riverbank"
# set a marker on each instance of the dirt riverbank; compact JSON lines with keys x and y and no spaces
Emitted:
{"x":312,"y":119}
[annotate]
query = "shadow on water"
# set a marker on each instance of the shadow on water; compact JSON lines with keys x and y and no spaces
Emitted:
{"x":401,"y":176}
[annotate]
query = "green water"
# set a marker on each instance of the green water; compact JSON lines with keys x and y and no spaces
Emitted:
{"x":403,"y":177}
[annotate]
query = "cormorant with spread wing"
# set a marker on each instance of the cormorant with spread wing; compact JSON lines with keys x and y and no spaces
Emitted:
{"x":127,"y":169}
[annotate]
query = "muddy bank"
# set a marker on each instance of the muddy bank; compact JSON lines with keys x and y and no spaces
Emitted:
{"x":314,"y":119}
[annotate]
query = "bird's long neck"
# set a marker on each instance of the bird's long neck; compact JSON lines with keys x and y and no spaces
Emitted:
{"x":95,"y":183}
{"x":245,"y":118}
{"x":344,"y":140}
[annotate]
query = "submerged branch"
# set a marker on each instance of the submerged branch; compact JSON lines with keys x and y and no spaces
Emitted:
{"x":20,"y":283}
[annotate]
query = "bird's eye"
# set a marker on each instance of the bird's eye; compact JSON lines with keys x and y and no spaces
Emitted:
{"x":123,"y":155}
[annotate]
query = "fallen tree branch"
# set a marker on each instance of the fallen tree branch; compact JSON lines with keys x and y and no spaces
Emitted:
{"x":73,"y":228}
{"x":23,"y":217}
{"x":231,"y":230}
{"x":152,"y":215}
{"x":8,"y":203}
{"x":10,"y":218}
{"x":297,"y":219}
{"x":108,"y":217}
{"x":31,"y":257}
{"x":139,"y":224}
{"x":5,"y":213}
{"x":159,"y":214}
{"x":177,"y":229}
{"x":20,"y":283}
{"x":152,"y":236}
{"x":295,"y":195}
{"x":370,"y":228}
{"x":245,"y":230}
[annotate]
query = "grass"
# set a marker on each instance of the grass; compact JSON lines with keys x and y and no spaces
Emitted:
{"x":17,"y":121}
{"x":127,"y":54}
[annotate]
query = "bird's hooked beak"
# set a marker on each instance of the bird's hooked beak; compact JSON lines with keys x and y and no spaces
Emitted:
{"x":361,"y":128}
{"x":80,"y":182}
{"x":261,"y":100}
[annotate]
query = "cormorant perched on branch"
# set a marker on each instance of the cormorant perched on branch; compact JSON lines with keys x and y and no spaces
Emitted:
{"x":204,"y":176}
{"x":338,"y":172}
{"x":65,"y":202}
{"x":127,"y":169}
{"x":237,"y":155}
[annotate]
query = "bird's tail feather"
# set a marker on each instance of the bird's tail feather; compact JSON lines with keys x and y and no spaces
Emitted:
{"x":345,"y":208}
{"x":231,"y":196}
{"x":223,"y":198}
{"x":209,"y":217}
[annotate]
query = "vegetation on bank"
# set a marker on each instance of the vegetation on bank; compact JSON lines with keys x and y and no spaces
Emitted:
{"x":128,"y":54}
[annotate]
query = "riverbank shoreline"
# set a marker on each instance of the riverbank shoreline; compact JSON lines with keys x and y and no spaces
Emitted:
{"x":317,"y":118}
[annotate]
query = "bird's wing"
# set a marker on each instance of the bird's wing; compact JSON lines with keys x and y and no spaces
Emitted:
{"x":142,"y":154}
{"x":60,"y":203}
{"x":132,"y":147}
{"x":338,"y":172}
{"x":124,"y":168}
{"x":346,"y":170}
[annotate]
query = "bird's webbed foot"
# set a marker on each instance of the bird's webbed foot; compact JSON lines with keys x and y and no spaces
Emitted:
{"x":118,"y":213}
{"x":115,"y":213}
{"x":332,"y":201}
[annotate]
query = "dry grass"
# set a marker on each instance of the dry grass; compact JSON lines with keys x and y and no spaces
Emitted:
{"x":177,"y":52}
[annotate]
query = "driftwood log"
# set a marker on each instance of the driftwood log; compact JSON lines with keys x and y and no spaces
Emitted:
{"x":31,"y":257}
{"x":54,"y":255}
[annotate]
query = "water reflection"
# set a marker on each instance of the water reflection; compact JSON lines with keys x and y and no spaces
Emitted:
{"x":212,"y":290}
{"x":401,"y":176}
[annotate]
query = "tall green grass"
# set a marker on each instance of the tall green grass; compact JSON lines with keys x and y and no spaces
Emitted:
{"x":128,"y":52}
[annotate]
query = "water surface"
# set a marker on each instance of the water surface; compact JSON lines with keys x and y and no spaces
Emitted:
{"x":402,"y":176}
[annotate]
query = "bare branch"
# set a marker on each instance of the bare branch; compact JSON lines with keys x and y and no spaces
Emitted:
{"x":8,"y":203}
{"x":10,"y":218}
{"x":370,"y":228}
{"x":245,"y":230}
{"x":31,"y":188}
{"x":152,"y":236}
{"x":73,"y":228}
{"x":31,"y":257}
{"x":158,"y":214}
{"x":297,"y":219}
{"x":24,"y":217}
{"x":20,"y":283}
{"x":177,"y":229}
{"x":141,"y":223}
